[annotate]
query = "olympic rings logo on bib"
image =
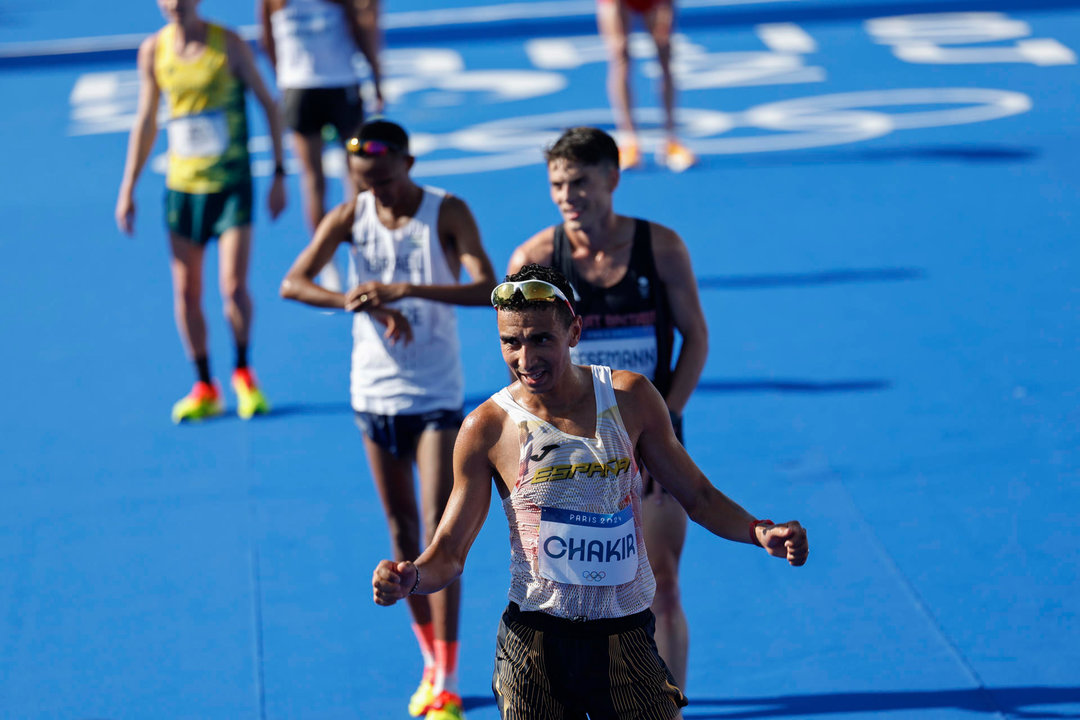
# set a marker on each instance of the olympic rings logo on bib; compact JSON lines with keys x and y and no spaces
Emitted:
{"x":595,"y":575}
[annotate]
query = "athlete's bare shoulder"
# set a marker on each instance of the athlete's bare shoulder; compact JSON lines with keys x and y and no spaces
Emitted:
{"x":150,"y":42}
{"x":148,"y":46}
{"x":628,"y":381}
{"x":336,"y":225}
{"x":452,"y":203}
{"x":670,"y":254}
{"x":485,"y":430}
{"x":485,"y":421}
{"x":663,"y":237}
{"x":538,"y":249}
{"x":637,"y":398}
{"x":343,"y":213}
{"x":455,"y":216}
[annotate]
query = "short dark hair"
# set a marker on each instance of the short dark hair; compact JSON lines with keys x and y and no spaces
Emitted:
{"x":533,"y":271}
{"x":585,"y":145}
{"x":383,"y":131}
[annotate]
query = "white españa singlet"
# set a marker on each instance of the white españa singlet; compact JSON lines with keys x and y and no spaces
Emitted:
{"x":576,"y":545}
{"x":424,"y":374}
{"x":314,"y":46}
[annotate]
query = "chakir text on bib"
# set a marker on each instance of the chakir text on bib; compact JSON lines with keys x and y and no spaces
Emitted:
{"x":581,"y":548}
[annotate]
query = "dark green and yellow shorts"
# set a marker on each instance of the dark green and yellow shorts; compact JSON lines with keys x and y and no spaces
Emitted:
{"x":202,"y":217}
{"x":548,"y":668}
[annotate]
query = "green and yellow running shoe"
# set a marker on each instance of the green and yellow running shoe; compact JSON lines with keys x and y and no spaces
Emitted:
{"x":447,"y":706}
{"x":249,"y":398}
{"x":424,"y":695}
{"x":204,"y":401}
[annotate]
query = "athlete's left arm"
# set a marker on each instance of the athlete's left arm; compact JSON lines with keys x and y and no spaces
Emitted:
{"x":645,"y":415}
{"x":674,"y":268}
{"x":460,"y":241}
{"x":242,"y":63}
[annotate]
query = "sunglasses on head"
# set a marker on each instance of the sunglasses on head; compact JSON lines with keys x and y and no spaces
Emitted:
{"x":370,"y":148}
{"x":531,"y":290}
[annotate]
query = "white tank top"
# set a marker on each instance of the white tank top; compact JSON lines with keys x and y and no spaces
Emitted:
{"x":424,"y":374}
{"x":314,"y":46}
{"x":576,"y":544}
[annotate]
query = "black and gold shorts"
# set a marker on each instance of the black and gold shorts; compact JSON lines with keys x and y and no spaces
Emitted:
{"x":549,"y":668}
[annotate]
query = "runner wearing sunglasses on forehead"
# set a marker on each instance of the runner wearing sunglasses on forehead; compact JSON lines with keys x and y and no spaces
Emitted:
{"x":533,"y":290}
{"x":561,"y":445}
{"x":636,"y":289}
{"x":408,"y":245}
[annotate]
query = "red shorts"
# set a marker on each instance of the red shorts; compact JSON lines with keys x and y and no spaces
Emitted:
{"x":640,"y":6}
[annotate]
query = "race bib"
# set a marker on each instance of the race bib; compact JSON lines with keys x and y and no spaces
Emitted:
{"x":628,"y":348}
{"x":204,"y":135}
{"x":580,"y":548}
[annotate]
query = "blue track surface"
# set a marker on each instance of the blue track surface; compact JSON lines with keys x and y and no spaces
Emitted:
{"x":884,"y":233}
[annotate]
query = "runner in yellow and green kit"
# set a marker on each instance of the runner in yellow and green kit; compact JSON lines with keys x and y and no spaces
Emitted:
{"x":204,"y":70}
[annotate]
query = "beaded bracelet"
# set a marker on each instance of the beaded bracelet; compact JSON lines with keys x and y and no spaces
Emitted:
{"x":417,"y":583}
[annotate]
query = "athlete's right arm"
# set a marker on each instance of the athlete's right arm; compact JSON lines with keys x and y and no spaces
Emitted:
{"x":444,"y":559}
{"x":141,"y":139}
{"x":299,"y":283}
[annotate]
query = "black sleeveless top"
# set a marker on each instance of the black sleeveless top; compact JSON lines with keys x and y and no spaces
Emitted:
{"x":627,"y":326}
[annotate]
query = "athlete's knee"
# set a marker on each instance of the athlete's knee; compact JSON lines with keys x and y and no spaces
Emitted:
{"x":234,"y":290}
{"x":619,"y":51}
{"x":187,"y":292}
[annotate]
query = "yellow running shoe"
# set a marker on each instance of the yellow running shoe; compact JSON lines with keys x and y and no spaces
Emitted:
{"x":204,"y":401}
{"x":629,"y":156}
{"x":447,"y":706}
{"x":423,"y":697}
{"x":676,"y":156}
{"x":249,"y":398}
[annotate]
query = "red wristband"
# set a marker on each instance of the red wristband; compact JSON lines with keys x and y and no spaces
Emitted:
{"x":753,"y":530}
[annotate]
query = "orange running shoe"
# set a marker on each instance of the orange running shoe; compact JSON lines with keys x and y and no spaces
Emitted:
{"x":249,"y":398}
{"x":675,"y":156}
{"x":629,"y":156}
{"x":204,"y":401}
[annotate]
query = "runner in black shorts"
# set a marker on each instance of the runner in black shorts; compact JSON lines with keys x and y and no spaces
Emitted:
{"x":311,"y":44}
{"x":308,"y":110}
{"x":548,"y":668}
{"x":399,"y":434}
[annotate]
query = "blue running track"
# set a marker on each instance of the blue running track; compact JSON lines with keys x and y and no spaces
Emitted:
{"x":884,"y":228}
